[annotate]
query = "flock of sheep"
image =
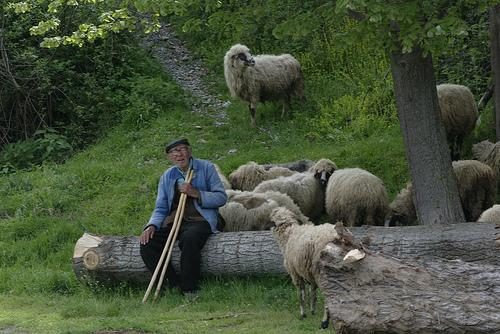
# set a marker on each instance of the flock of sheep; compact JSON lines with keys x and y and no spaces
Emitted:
{"x":288,"y":197}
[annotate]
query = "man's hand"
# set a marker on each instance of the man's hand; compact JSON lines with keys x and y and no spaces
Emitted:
{"x":189,"y":190}
{"x":147,"y":234}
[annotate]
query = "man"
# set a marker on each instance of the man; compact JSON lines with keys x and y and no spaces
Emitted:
{"x":205,"y":194}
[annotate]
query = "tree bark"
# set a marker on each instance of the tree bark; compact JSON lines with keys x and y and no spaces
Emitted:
{"x":495,"y":63}
{"x":436,"y":194}
{"x":380,"y":294}
{"x":116,"y":259}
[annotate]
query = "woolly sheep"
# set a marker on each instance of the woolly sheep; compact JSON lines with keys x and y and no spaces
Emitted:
{"x":301,"y":246}
{"x":402,"y":210}
{"x":356,"y":197}
{"x":249,"y":211}
{"x":262,"y":78}
{"x":307,"y":189}
{"x":249,"y":175}
{"x":476,"y":187}
{"x":222,"y":177}
{"x":492,"y":215}
{"x":488,"y":153}
{"x":458,"y":112}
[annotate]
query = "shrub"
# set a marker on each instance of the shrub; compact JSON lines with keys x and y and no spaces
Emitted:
{"x":47,"y":145}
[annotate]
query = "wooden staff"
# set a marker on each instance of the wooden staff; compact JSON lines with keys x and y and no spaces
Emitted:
{"x":168,"y":245}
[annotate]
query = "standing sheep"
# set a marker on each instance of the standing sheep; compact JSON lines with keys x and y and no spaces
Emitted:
{"x":356,"y":197}
{"x":477,"y":188}
{"x":488,"y":153}
{"x":306,"y":189}
{"x":262,"y":78}
{"x":492,"y":215}
{"x":459,"y":114}
{"x":301,"y":246}
{"x":249,"y":175}
{"x":249,"y":211}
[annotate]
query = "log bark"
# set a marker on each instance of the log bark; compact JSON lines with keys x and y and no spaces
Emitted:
{"x":381,"y":294}
{"x":436,"y":193}
{"x":116,"y":259}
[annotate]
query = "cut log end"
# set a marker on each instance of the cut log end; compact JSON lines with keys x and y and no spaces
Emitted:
{"x":91,"y":259}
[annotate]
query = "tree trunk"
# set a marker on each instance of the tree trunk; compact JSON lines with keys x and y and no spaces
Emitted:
{"x":495,"y":62}
{"x":381,"y":294}
{"x":116,"y":259}
{"x":436,"y":194}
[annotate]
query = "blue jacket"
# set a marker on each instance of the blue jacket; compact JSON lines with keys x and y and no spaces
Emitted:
{"x":208,"y":183}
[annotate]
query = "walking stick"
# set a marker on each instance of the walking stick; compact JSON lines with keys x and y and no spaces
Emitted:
{"x":168,"y":245}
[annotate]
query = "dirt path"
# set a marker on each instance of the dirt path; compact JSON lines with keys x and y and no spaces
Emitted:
{"x":186,"y":71}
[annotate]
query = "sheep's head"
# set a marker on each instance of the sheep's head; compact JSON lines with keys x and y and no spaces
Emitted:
{"x":323,"y":169}
{"x":239,"y":56}
{"x":283,"y":218}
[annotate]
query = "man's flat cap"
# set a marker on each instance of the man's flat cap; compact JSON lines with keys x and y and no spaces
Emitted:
{"x":175,"y":143}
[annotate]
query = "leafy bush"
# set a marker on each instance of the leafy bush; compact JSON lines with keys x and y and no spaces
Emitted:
{"x":47,"y":145}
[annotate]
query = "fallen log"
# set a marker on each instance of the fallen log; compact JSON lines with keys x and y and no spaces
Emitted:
{"x":117,"y":259}
{"x":376,"y":293}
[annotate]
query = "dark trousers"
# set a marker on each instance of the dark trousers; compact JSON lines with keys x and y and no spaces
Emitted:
{"x":192,"y":237}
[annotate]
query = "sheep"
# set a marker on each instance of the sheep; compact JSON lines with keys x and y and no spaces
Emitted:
{"x":307,"y":189}
{"x":402,"y":210}
{"x":262,"y":78}
{"x":249,"y":211}
{"x":222,"y":177}
{"x":301,"y":246}
{"x":297,"y":166}
{"x":488,"y":153}
{"x":249,"y":175}
{"x":356,"y":197}
{"x":492,"y":215}
{"x":459,"y":114}
{"x":477,"y":188}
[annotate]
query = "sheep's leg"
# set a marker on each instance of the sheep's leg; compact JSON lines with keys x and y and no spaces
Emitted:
{"x":326,"y":319}
{"x":251,"y":107}
{"x":302,"y":297}
{"x":313,"y":298}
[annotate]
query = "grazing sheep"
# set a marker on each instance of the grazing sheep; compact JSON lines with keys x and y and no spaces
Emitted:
{"x":477,"y":188}
{"x":249,"y":175}
{"x":297,"y":166}
{"x":249,"y":211}
{"x":307,"y":189}
{"x":262,"y":78}
{"x":459,"y":114}
{"x":356,"y":197}
{"x":301,"y":246}
{"x":492,"y":215}
{"x":222,"y":177}
{"x":402,"y":210}
{"x":488,"y":153}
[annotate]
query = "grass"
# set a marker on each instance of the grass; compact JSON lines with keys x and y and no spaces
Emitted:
{"x":224,"y":305}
